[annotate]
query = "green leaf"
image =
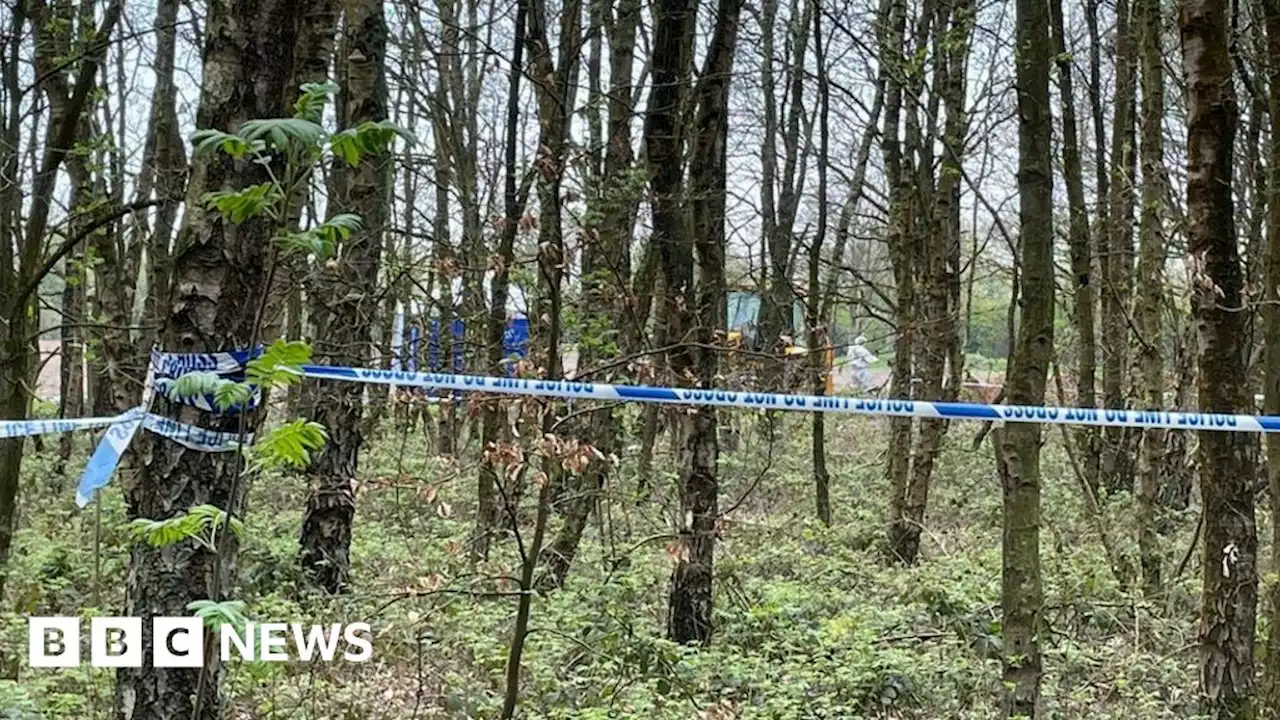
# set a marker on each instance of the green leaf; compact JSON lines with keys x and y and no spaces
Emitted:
{"x":322,"y":239}
{"x":308,"y":242}
{"x":226,"y":393}
{"x":310,"y":105}
{"x":291,"y":444}
{"x":217,"y":614}
{"x":188,"y":526}
{"x":371,"y":136}
{"x":195,"y":384}
{"x":281,"y":364}
{"x":240,"y":205}
{"x":232,"y":394}
{"x":207,"y":141}
{"x":346,"y":145}
{"x":278,"y":133}
{"x":339,"y":227}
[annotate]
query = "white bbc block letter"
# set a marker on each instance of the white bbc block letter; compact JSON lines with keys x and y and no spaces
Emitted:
{"x":53,"y":641}
{"x":273,"y":638}
{"x":352,"y":636}
{"x":177,"y":642}
{"x":116,"y":642}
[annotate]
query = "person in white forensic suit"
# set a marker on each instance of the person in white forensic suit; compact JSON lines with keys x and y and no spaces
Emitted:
{"x":860,"y":358}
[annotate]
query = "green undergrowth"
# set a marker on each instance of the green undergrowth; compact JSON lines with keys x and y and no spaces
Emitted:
{"x":811,"y":622}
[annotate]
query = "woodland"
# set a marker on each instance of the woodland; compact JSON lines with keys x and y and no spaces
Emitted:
{"x":1052,"y":203}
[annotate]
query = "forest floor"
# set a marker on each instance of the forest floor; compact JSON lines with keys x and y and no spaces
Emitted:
{"x":811,"y":623}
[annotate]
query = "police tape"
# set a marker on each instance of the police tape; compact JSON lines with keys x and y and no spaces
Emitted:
{"x":573,"y":390}
{"x":106,"y":458}
{"x":102,"y":464}
{"x":27,"y":428}
{"x":169,"y":366}
{"x":174,"y":365}
{"x":192,"y":437}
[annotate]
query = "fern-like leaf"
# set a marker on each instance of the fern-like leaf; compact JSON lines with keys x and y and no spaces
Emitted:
{"x":311,"y":104}
{"x":291,"y":444}
{"x":278,"y":133}
{"x":240,"y":205}
{"x":281,"y":364}
{"x":207,"y":141}
{"x":217,"y":614}
{"x":232,"y":395}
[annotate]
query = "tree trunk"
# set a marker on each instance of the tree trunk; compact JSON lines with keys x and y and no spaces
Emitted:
{"x":818,"y":321}
{"x":513,"y":201}
{"x":1019,"y":443}
{"x":1151,"y":291}
{"x":22,"y":261}
{"x":219,"y":277}
{"x":170,"y":166}
{"x":606,"y":264}
{"x":344,"y":326}
{"x":893,"y":20}
{"x":690,"y":607}
{"x":1228,"y":604}
{"x":1271,"y":323}
{"x":71,"y":350}
{"x":1081,"y":249}
{"x":1117,"y":261}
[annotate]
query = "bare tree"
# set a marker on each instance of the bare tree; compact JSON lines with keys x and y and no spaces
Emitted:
{"x":344,"y":325}
{"x":1018,"y":444}
{"x":24,"y":262}
{"x":1229,"y":601}
{"x":1151,"y":288}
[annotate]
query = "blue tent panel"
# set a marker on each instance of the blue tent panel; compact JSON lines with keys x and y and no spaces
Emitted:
{"x":414,"y":336}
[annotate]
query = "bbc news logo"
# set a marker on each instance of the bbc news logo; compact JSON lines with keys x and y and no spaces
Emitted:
{"x":54,"y":642}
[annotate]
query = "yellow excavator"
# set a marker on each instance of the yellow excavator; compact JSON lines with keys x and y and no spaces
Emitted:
{"x":742,"y":324}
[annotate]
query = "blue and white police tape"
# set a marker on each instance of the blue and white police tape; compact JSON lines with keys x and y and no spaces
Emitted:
{"x":175,"y":365}
{"x":26,"y":428}
{"x":168,"y":367}
{"x":572,"y":390}
{"x":206,"y":401}
{"x":192,"y":437}
{"x":103,"y":462}
{"x":102,"y":465}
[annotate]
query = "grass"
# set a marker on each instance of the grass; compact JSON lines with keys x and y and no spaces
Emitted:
{"x":810,"y":622}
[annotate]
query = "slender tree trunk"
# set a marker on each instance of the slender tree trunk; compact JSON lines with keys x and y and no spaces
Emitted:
{"x":71,"y":348}
{"x":819,"y":323}
{"x":893,"y":20}
{"x":344,"y":327}
{"x":1151,"y":291}
{"x":1117,"y":260}
{"x":937,"y":315}
{"x":1229,"y":601}
{"x":1081,"y":248}
{"x":690,"y":608}
{"x":513,"y":200}
{"x":19,"y":279}
{"x":1271,"y":324}
{"x":1019,"y":443}
{"x":219,"y":278}
{"x":170,"y":166}
{"x":442,"y":249}
{"x":606,"y":262}
{"x":10,"y":210}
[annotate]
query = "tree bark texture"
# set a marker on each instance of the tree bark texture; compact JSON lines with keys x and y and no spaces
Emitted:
{"x":1019,"y":443}
{"x":1230,"y":594}
{"x":344,"y":323}
{"x":219,"y":277}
